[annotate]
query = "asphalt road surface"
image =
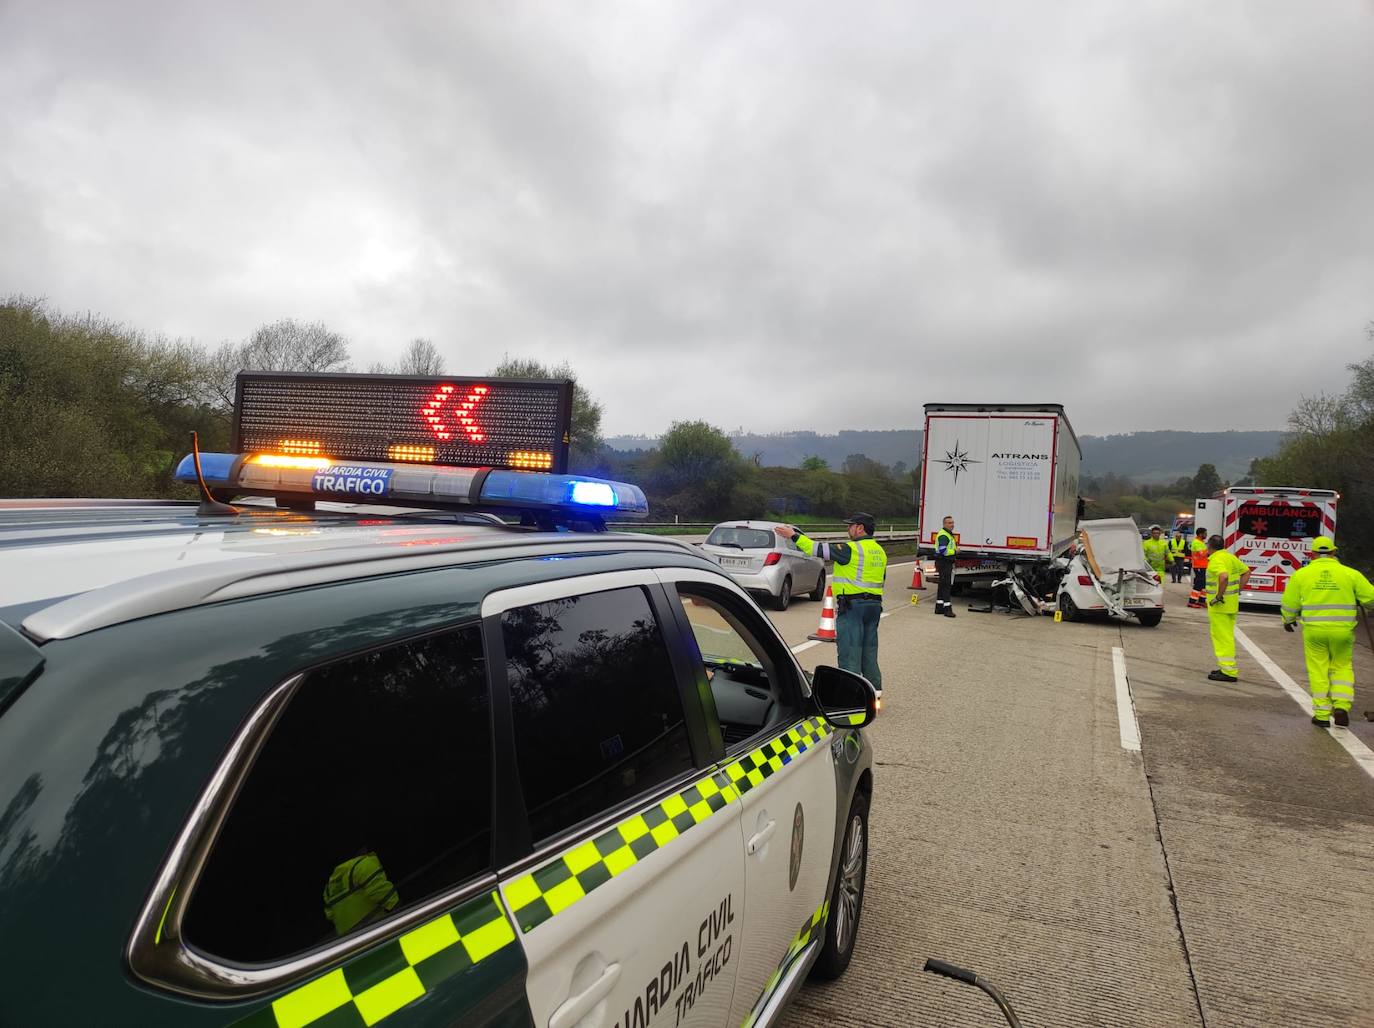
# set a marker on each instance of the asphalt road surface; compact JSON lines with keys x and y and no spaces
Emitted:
{"x":1220,"y":874}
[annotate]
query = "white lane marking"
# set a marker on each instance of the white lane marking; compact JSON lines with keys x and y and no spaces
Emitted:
{"x":1125,"y":709}
{"x":1350,"y":742}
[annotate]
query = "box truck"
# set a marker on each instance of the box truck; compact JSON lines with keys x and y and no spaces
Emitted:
{"x":1008,"y":474}
{"x":1271,"y":529}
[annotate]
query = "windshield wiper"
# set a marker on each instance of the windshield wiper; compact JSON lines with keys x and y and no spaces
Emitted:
{"x":735,"y":545}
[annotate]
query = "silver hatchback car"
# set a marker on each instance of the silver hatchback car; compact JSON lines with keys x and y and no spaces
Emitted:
{"x":763,"y":562}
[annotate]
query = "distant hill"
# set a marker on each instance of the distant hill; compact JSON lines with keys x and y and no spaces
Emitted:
{"x":1144,"y":456}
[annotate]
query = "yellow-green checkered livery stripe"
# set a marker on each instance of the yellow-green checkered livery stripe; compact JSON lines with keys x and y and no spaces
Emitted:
{"x":562,"y":881}
{"x":770,"y":758}
{"x":811,"y":929}
{"x":381,"y":981}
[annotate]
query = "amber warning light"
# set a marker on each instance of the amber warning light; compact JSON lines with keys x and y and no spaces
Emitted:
{"x":463,"y":422}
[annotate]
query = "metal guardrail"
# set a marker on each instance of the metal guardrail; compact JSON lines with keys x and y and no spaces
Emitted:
{"x":689,"y":529}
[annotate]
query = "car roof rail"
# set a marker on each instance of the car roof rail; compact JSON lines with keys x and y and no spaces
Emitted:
{"x":197,"y":585}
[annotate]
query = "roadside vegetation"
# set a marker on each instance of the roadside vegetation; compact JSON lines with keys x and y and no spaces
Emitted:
{"x":89,"y":407}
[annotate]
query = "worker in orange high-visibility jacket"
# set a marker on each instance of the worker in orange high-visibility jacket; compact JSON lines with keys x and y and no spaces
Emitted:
{"x":1325,"y":597}
{"x":1199,"y":555}
{"x":1226,"y":577}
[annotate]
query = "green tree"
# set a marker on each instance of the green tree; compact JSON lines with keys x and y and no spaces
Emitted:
{"x":815,"y":463}
{"x":696,"y":469}
{"x":1206,"y":482}
{"x":89,"y":407}
{"x":585,"y":453}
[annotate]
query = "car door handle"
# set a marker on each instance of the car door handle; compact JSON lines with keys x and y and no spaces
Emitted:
{"x":758,"y":841}
{"x":581,"y":1005}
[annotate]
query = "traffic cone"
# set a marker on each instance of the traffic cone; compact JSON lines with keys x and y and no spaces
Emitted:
{"x":917,"y":582}
{"x":826,"y":632}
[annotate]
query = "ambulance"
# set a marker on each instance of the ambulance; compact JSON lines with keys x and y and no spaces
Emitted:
{"x":1271,"y":529}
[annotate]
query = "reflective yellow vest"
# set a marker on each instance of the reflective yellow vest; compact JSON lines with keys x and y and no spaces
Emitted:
{"x":1156,"y":552}
{"x":1325,"y":594}
{"x":863,"y":571}
{"x":1177,"y":548}
{"x":952,"y":545}
{"x":1225,"y":560}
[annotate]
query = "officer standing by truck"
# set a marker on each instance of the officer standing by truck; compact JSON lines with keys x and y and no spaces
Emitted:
{"x":859,"y":568}
{"x":1226,"y":577}
{"x":1326,"y":596}
{"x":946,"y":546}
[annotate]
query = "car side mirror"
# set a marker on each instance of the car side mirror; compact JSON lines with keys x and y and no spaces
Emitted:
{"x":847,"y":700}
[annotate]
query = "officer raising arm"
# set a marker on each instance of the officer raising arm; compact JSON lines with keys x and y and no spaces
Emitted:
{"x":859,"y":569}
{"x":1326,"y":596}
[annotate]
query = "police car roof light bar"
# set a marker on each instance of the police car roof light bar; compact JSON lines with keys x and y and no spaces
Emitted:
{"x":550,"y":497}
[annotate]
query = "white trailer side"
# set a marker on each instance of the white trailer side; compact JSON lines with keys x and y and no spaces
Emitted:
{"x":1007,"y":473}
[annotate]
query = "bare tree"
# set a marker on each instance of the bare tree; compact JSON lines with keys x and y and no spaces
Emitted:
{"x":421,"y":357}
{"x":285,"y":345}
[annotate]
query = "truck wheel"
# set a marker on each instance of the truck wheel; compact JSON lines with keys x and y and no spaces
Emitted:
{"x":847,"y":899}
{"x":1069,"y":608}
{"x":818,"y":593}
{"x":1150,"y":618}
{"x":784,"y":596}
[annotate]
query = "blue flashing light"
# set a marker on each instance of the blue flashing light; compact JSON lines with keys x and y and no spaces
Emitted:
{"x":593,"y":494}
{"x":516,"y":488}
{"x":216,"y":467}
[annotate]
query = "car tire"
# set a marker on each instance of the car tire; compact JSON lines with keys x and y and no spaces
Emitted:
{"x":847,"y":897}
{"x":1069,"y":608}
{"x":784,"y":597}
{"x":1150,"y":618}
{"x":818,"y":593}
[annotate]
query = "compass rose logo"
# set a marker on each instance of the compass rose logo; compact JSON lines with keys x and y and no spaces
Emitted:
{"x":956,"y":460}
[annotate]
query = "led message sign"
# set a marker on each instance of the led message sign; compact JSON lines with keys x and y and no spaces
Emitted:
{"x":467,"y":422}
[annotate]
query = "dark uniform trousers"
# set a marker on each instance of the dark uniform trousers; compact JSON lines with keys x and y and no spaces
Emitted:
{"x":944,"y":569}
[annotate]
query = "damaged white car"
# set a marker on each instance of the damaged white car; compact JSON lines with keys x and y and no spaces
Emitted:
{"x":1109,"y":575}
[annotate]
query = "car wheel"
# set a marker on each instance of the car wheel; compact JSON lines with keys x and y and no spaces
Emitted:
{"x":1069,"y":608}
{"x":818,"y":593}
{"x":784,"y":596}
{"x":847,"y":899}
{"x":1150,"y":618}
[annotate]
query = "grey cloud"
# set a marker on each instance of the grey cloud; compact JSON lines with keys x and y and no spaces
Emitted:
{"x":723,"y":211}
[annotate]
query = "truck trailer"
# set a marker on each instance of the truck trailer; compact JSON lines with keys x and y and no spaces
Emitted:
{"x":1270,"y":528}
{"x":1008,"y":474}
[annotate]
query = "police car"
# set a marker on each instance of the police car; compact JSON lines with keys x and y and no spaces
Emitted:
{"x":304,"y":761}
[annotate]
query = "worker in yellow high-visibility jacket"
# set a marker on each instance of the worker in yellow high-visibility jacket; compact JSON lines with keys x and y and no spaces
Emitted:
{"x":1325,"y":596}
{"x":1226,"y":577}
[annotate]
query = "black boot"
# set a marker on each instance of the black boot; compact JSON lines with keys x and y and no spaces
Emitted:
{"x":1221,"y":676}
{"x":1341,"y":717}
{"x":1320,"y":723}
{"x":949,"y":610}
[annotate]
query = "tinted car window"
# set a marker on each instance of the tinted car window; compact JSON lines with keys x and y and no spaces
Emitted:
{"x":597,"y":713}
{"x":744,"y":538}
{"x":372,"y":793}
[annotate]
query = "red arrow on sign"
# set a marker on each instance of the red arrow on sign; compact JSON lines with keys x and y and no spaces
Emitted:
{"x":446,"y":407}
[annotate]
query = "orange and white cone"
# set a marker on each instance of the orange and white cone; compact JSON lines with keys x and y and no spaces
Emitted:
{"x":917,"y":582}
{"x":826,"y":632}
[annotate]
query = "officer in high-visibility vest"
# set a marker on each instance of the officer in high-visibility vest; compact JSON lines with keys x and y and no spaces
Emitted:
{"x":946,"y":546}
{"x":358,"y":893}
{"x":1325,"y":596}
{"x":858,"y":570}
{"x":1226,"y":577}
{"x":1199,"y":551}
{"x":1178,"y":557}
{"x":1157,"y":551}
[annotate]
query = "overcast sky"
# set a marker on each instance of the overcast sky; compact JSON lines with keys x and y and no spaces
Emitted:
{"x":777,"y":216}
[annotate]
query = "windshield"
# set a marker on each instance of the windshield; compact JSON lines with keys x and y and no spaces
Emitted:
{"x":744,"y":538}
{"x":1278,"y":521}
